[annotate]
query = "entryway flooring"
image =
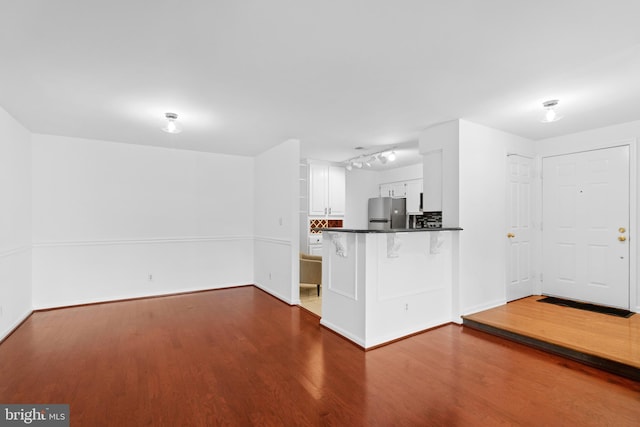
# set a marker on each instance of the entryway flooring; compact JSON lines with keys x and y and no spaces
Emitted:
{"x":600,"y":340}
{"x":310,"y":300}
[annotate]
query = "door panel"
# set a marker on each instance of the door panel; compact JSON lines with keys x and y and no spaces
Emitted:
{"x":519,"y":274}
{"x":585,"y":202}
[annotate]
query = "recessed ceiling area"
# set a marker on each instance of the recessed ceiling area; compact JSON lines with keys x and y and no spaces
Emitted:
{"x":246,"y":76}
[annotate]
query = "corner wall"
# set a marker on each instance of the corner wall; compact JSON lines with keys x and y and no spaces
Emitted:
{"x":116,"y":221}
{"x":483,"y":213}
{"x":15,"y":223}
{"x":473,"y":185}
{"x":277,"y":221}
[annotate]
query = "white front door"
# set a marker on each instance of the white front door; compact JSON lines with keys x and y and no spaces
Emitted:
{"x":518,"y":234}
{"x":585,"y":223}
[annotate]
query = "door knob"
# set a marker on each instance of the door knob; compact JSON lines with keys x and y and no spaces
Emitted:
{"x":622,"y":229}
{"x":511,"y":235}
{"x":622,"y":238}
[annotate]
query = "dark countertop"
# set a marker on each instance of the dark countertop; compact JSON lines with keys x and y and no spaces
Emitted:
{"x":393,"y":230}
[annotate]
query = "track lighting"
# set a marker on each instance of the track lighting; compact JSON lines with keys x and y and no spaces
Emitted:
{"x":172,"y":126}
{"x":368,"y":160}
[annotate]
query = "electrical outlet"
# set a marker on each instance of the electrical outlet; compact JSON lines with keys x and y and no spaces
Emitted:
{"x":269,"y":275}
{"x":406,"y":307}
{"x":150,"y":277}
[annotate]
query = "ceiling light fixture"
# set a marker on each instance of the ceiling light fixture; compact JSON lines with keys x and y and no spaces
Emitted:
{"x":368,"y":160}
{"x":172,"y":126}
{"x":550,"y":115}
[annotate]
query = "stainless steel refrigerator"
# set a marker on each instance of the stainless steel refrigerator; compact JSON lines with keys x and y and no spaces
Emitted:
{"x":386,"y":213}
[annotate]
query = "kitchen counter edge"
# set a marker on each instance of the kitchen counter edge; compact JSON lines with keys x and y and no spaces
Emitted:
{"x":393,"y":230}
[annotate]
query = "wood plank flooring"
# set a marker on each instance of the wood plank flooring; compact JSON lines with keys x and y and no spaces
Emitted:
{"x":240,"y":357}
{"x":599,"y":335}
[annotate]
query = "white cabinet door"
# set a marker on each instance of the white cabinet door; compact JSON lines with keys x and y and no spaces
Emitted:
{"x":318,"y":189}
{"x":327,"y":190}
{"x":385,"y":190}
{"x":399,"y":189}
{"x":393,"y":189}
{"x":414,"y":188}
{"x":432,"y":193}
{"x":336,"y":191}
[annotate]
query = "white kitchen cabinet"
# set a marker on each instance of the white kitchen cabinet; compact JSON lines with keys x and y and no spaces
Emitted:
{"x":432,"y":198}
{"x":337,"y":191}
{"x":326,"y":190}
{"x":414,"y":189}
{"x":409,"y":189}
{"x":393,"y":189}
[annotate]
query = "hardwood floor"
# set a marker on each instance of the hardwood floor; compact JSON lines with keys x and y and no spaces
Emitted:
{"x":593,"y":336}
{"x":240,"y":357}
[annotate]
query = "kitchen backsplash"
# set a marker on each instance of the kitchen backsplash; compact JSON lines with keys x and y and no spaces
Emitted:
{"x":314,"y":224}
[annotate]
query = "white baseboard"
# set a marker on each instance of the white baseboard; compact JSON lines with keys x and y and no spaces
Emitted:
{"x":340,"y":331}
{"x":376,"y":341}
{"x":278,"y":295}
{"x":117,"y":298}
{"x":12,"y":327}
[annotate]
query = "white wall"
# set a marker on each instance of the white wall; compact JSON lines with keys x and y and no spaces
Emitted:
{"x":403,"y":173}
{"x":107,"y":216}
{"x":625,"y":133}
{"x":444,"y":138}
{"x":474,"y":188}
{"x":482,"y":210}
{"x":15,"y":223}
{"x":277,"y":221}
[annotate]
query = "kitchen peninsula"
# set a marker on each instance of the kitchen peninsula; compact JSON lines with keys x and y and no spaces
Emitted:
{"x":381,"y":285}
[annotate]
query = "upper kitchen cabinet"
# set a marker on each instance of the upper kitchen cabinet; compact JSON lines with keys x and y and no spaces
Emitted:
{"x":410,"y":189}
{"x":414,"y":190}
{"x":327,"y":185}
{"x":393,"y":189}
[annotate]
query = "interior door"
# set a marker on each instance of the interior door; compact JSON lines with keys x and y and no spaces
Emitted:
{"x":518,"y":235}
{"x":585,"y":223}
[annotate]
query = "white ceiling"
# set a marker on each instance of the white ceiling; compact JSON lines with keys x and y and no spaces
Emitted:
{"x":246,"y":75}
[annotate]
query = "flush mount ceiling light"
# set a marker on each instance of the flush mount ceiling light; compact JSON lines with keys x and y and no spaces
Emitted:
{"x":368,"y":160}
{"x":550,"y":115}
{"x":172,"y":126}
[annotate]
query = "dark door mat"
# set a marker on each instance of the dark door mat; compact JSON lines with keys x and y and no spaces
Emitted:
{"x":619,"y":312}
